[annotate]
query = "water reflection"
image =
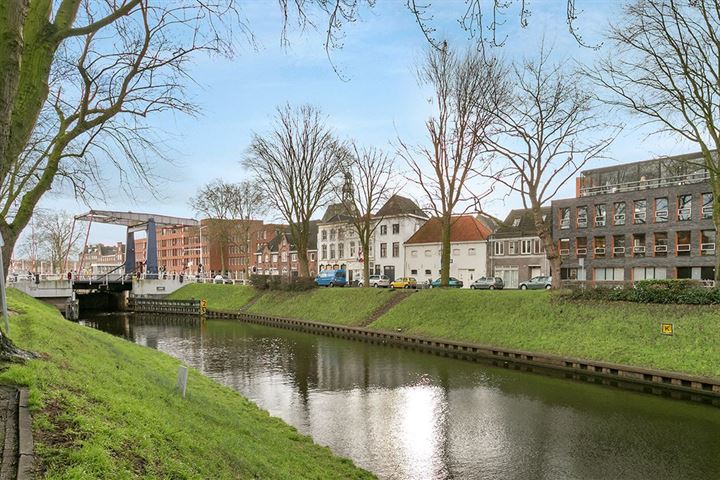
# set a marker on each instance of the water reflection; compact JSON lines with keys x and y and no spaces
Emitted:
{"x":408,"y":415}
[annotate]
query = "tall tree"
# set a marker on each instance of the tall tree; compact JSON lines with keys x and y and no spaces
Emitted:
{"x":297,"y":163}
{"x":369,"y":181}
{"x":665,"y":68}
{"x":548,"y":130}
{"x":230,"y":209}
{"x":465,"y":86}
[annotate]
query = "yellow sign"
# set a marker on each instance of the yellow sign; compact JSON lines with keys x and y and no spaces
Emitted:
{"x":203,"y":306}
{"x":666,"y":328}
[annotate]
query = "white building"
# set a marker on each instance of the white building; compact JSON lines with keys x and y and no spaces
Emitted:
{"x":468,"y":250}
{"x":398,"y":220}
{"x":339,"y":243}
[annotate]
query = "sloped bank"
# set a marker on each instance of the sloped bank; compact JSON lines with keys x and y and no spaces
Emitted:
{"x":106,"y":408}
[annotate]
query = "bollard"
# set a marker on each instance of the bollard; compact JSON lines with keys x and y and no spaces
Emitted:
{"x":182,"y":377}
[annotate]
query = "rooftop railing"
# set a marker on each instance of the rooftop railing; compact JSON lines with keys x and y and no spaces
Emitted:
{"x":696,"y":177}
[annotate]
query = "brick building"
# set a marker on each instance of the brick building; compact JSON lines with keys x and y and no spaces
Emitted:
{"x":279,"y":255}
{"x":641,"y":220}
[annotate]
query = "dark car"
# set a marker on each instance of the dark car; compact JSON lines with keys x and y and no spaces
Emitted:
{"x":452,"y":283}
{"x":488,"y":283}
{"x":537,"y":283}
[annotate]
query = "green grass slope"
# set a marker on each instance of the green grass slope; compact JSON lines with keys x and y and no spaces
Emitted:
{"x":105,"y":408}
{"x":342,"y":306}
{"x":225,"y":298}
{"x":614,"y":331}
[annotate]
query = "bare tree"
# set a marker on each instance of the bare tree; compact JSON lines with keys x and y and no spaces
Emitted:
{"x":231,"y":209}
{"x":465,"y":88}
{"x":58,"y":237}
{"x":665,"y":68}
{"x":549,"y":130}
{"x":370,"y":179}
{"x":296,"y":163}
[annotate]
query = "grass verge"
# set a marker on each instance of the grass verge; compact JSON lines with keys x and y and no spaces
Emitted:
{"x":617,"y":332}
{"x":342,"y":306}
{"x":105,"y":408}
{"x":222,"y":298}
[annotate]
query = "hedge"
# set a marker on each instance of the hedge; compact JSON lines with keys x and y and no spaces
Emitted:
{"x":687,"y":292}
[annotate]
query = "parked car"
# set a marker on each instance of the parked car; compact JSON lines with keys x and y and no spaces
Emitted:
{"x":537,"y":283}
{"x":222,"y":279}
{"x":404,"y":282}
{"x":488,"y":283}
{"x":377,"y":281}
{"x":331,"y":278}
{"x":452,"y":283}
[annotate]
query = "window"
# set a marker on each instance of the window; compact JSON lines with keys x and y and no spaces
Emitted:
{"x":312,"y":257}
{"x":619,"y":218}
{"x":525,"y":247}
{"x":568,"y":273}
{"x":649,"y":273}
{"x":516,"y":222}
{"x":383,"y":250}
{"x":413,"y":253}
{"x":661,"y":210}
{"x":683,"y":243}
{"x":707,"y":244}
{"x":471,"y":251}
{"x":564,"y":246}
{"x":274,"y":258}
{"x":352,"y":249}
{"x":383,"y":229}
{"x":538,"y":247}
{"x":618,"y":245}
{"x":333,"y":234}
{"x":341,"y":250}
{"x":707,"y":210}
{"x":499,"y":248}
{"x":413,"y":272}
{"x":341,"y":234}
{"x":284,"y":256}
{"x":600,"y":212}
{"x":396,"y":249}
{"x":599,"y":247}
{"x":293,"y":257}
{"x":582,"y":217}
{"x":395,"y":228}
{"x":511,"y":247}
{"x":428,"y":253}
{"x":640,"y":211}
{"x":609,"y":274}
{"x":661,"y":244}
{"x":684,"y":208}
{"x":581,"y":246}
{"x":428,"y":272}
{"x":639,"y":244}
{"x":564,"y":218}
{"x":332,"y":251}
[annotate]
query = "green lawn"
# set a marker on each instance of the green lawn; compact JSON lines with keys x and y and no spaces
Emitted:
{"x":228,"y":298}
{"x":614,"y":331}
{"x":345,"y":306}
{"x":105,"y":408}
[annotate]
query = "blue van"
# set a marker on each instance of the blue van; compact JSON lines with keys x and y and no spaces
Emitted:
{"x":331,"y":278}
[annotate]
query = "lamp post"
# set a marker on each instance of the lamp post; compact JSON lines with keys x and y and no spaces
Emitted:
{"x":3,"y":297}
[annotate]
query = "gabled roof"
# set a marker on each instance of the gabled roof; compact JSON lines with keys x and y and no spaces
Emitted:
{"x":336,"y":212}
{"x":274,"y":244}
{"x":490,"y":222}
{"x":520,"y":223}
{"x":399,"y":205}
{"x":463,"y":228}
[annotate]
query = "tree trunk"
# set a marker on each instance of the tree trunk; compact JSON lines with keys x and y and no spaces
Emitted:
{"x":365,"y":245}
{"x":446,"y":224}
{"x":551,"y":249}
{"x":716,"y":221}
{"x":10,"y":239}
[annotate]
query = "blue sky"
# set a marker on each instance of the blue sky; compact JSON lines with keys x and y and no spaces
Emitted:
{"x":378,"y":100}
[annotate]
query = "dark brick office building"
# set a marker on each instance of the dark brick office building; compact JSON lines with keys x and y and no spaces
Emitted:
{"x":636,"y":221}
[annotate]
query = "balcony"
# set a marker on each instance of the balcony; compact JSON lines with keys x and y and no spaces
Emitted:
{"x":683,"y":247}
{"x":581,"y":252}
{"x":564,"y":252}
{"x":620,"y":219}
{"x":639,"y":217}
{"x":661,"y":249}
{"x":707,"y":248}
{"x":639,"y":249}
{"x":618,"y":250}
{"x":582,"y":222}
{"x":661,"y":216}
{"x":600,"y":221}
{"x":707,"y":212}
{"x":600,"y":251}
{"x":645,"y":184}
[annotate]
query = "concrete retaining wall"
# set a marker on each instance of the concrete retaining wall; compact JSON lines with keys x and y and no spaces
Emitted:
{"x":675,"y":385}
{"x":150,"y":287}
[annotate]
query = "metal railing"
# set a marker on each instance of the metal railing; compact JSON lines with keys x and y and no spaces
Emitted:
{"x":645,"y":184}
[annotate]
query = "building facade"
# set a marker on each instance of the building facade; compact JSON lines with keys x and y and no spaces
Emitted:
{"x":279,"y":256}
{"x":636,"y":221}
{"x":516,"y":254}
{"x":468,"y":250}
{"x":339,"y":243}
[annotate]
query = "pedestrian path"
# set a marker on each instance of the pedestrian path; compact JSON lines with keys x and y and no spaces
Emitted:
{"x":15,"y":434}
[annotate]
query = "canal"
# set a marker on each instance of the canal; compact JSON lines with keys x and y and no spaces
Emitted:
{"x":409,"y":415}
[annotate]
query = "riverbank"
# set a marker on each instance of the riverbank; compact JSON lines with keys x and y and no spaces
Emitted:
{"x":613,"y":332}
{"x":106,"y":408}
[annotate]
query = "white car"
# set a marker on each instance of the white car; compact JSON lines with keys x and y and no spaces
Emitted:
{"x":377,"y":281}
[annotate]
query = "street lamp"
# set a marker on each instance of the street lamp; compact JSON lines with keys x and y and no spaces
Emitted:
{"x":3,"y":297}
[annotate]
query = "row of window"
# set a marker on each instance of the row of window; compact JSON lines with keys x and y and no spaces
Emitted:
{"x":639,"y":247}
{"x":518,"y":247}
{"x":395,"y":229}
{"x":340,"y":251}
{"x":338,"y":234}
{"x":660,"y":213}
{"x":283,"y":257}
{"x":637,"y":273}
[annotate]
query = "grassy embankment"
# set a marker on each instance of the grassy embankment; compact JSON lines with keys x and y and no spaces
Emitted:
{"x":617,"y":332}
{"x":106,"y":408}
{"x":224,"y":298}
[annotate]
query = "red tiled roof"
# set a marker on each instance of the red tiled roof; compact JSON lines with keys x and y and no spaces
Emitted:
{"x":463,"y":228}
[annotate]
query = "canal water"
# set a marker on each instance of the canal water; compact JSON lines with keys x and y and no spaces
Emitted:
{"x":409,"y":415}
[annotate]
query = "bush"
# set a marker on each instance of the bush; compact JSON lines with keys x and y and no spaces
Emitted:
{"x":276,"y":282}
{"x":687,"y":292}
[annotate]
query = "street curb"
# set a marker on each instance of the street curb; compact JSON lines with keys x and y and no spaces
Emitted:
{"x":26,"y":458}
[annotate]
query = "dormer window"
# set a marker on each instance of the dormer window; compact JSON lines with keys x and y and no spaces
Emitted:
{"x":516,"y":222}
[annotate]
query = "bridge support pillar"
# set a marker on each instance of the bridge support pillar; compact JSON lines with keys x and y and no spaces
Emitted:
{"x":151,"y":263}
{"x":130,"y":252}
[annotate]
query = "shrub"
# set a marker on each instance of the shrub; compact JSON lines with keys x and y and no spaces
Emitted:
{"x":689,"y":292}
